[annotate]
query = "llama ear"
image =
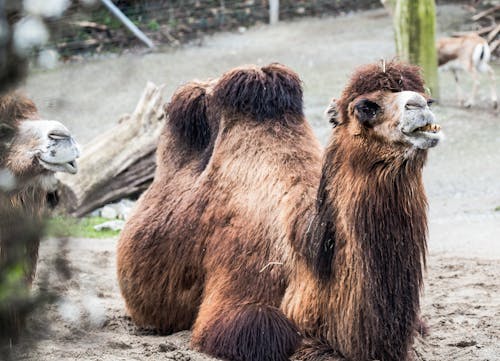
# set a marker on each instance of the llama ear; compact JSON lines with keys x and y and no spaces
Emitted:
{"x":366,"y":111}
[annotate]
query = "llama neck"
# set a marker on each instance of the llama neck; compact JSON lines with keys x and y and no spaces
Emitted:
{"x":370,"y":239}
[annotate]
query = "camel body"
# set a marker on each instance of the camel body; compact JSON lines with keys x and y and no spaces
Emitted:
{"x":254,"y":235}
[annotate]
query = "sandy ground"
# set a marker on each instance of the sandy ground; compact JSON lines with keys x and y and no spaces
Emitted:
{"x":462,"y":294}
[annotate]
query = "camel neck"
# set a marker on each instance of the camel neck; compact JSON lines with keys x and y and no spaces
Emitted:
{"x":368,"y":242}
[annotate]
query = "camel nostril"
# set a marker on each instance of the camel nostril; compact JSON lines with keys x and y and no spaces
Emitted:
{"x":59,"y":135}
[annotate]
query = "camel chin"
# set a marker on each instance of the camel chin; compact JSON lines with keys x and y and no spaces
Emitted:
{"x":56,"y":151}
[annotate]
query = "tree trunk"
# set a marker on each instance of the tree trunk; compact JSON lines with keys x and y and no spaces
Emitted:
{"x":121,"y":162}
{"x":415,"y":28}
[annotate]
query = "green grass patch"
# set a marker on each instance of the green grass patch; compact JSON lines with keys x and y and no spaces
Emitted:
{"x":153,"y":25}
{"x":64,"y":226}
{"x":497,"y":209}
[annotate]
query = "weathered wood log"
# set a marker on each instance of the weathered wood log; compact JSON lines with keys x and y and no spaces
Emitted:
{"x":480,"y":31}
{"x":90,"y":25}
{"x":493,"y":34}
{"x":494,"y":45}
{"x":121,"y":162}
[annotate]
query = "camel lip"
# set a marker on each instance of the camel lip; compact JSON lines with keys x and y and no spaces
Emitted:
{"x":67,"y":167}
{"x":428,"y":129}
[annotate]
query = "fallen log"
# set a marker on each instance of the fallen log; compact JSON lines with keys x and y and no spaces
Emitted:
{"x":494,"y":45}
{"x":121,"y":162}
{"x":486,"y":12}
{"x":90,"y":25}
{"x":493,"y":34}
{"x":481,"y":31}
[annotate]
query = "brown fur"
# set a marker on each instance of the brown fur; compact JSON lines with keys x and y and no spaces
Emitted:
{"x":364,"y":246}
{"x":185,"y":221}
{"x":20,"y":208}
{"x":264,"y":230}
{"x":245,"y":91}
{"x":13,"y":107}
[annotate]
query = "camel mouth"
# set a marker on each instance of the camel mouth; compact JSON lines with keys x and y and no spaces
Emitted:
{"x":425,"y":137}
{"x":429,"y":128}
{"x":68,"y":167}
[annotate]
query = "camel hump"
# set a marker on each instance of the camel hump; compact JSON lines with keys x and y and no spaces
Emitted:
{"x":187,"y":115}
{"x":267,"y":92}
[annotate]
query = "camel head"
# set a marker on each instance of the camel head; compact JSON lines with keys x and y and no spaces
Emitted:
{"x":32,"y":147}
{"x":388,"y":106}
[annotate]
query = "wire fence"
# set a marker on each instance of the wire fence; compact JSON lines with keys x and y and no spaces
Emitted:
{"x":175,"y":22}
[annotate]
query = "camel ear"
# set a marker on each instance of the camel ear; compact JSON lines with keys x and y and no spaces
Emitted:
{"x":332,"y":113}
{"x":366,"y":111}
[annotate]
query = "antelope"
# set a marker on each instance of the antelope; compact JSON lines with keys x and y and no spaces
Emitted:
{"x":471,"y":53}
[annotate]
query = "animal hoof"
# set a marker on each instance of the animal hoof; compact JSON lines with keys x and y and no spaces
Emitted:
{"x":495,"y":105}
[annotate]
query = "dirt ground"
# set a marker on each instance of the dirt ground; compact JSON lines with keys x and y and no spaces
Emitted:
{"x":461,"y":301}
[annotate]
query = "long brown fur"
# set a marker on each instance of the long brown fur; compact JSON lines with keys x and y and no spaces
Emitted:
{"x":364,"y":246}
{"x":268,"y":229}
{"x":20,"y":208}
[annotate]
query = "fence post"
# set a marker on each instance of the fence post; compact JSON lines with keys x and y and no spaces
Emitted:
{"x":274,"y":11}
{"x":128,"y":24}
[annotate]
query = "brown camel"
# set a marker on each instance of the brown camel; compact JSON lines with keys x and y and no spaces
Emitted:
{"x":255,"y":230}
{"x":31,"y":151}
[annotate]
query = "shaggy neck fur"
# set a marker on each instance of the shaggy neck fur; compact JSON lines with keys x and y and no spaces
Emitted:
{"x":21,"y":212}
{"x":367,"y":241}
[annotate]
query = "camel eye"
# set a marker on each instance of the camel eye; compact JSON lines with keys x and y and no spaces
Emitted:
{"x":413,"y":106}
{"x":430,"y":102}
{"x":367,"y":111}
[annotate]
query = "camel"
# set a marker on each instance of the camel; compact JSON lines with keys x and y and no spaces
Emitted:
{"x":470,"y":53}
{"x":273,"y":246}
{"x":31,"y":152}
